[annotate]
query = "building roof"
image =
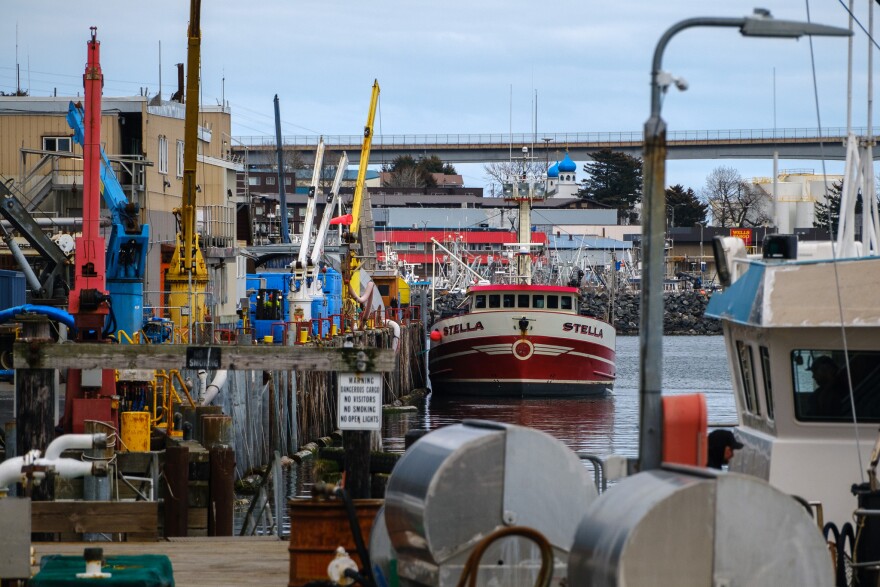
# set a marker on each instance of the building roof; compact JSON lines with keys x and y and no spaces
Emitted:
{"x":572,"y":241}
{"x":567,"y":165}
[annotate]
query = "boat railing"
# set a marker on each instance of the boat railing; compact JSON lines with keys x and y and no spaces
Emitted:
{"x":599,"y":478}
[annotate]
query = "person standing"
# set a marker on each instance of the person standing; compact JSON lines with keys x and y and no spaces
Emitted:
{"x":722,"y":444}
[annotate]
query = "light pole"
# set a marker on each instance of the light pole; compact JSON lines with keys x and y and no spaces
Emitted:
{"x":547,"y":141}
{"x":761,"y":24}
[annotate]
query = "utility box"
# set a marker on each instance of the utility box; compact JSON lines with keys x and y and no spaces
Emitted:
{"x":15,"y":540}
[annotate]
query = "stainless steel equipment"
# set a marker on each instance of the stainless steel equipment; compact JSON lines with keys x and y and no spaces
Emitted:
{"x":458,"y":484}
{"x":691,"y":527}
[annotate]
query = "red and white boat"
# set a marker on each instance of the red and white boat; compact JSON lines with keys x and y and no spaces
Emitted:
{"x":522,"y":339}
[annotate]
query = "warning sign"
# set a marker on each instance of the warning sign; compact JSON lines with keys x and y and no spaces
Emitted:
{"x":360,"y":401}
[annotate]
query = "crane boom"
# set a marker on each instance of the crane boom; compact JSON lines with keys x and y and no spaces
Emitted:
{"x":356,"y":203}
{"x":310,"y":206}
{"x":188,"y":275}
{"x":318,"y":249}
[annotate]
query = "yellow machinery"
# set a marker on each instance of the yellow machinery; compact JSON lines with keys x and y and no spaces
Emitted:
{"x":187,"y":276}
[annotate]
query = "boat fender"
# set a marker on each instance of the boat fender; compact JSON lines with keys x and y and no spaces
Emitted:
{"x":395,"y":329}
{"x":436,"y":335}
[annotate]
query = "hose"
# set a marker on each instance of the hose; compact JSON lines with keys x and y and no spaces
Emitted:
{"x":472,"y":566}
{"x":362,"y":551}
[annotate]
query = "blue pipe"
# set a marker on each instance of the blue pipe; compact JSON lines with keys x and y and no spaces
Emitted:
{"x":56,"y":314}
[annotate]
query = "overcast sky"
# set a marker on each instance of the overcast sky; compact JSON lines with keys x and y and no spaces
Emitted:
{"x":454,"y":66}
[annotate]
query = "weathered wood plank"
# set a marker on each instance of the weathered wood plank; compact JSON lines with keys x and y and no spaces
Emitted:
{"x":52,"y":355}
{"x":139,"y":517}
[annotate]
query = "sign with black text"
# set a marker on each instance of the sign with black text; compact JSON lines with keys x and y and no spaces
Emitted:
{"x":360,"y":401}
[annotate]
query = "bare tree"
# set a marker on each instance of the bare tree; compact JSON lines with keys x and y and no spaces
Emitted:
{"x":506,"y":171}
{"x":406,"y":177}
{"x":733,"y":201}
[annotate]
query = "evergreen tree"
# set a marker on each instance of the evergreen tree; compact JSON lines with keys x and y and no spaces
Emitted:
{"x":688,"y":209}
{"x":614,"y":179}
{"x":827,"y":214}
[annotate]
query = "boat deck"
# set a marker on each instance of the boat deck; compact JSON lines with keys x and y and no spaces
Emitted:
{"x":200,"y":561}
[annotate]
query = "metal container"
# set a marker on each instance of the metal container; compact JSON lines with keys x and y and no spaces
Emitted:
{"x":12,"y":289}
{"x":691,"y":527}
{"x":135,"y":432}
{"x":458,"y":484}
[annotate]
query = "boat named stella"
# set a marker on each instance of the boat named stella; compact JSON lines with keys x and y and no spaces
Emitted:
{"x":522,"y":339}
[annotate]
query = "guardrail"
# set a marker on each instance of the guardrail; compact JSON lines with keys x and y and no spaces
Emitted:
{"x":556,"y":140}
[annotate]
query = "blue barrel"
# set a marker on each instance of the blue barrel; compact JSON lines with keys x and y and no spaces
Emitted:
{"x":332,"y":282}
{"x":334,"y":307}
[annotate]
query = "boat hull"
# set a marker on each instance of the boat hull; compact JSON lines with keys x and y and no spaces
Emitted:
{"x":488,"y":354}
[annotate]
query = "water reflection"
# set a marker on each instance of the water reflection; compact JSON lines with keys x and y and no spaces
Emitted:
{"x":602,"y":426}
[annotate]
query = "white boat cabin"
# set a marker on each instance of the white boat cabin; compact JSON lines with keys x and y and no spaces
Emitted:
{"x":799,"y":335}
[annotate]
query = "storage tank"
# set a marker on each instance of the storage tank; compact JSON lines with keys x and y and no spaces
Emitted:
{"x":464,"y":482}
{"x":695,"y":527}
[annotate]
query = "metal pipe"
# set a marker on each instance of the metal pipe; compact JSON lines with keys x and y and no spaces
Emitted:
{"x":74,"y":441}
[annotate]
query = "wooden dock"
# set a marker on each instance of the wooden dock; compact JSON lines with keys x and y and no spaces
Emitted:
{"x":197,"y":562}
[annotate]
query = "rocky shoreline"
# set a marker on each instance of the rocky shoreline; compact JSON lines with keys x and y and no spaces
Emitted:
{"x":684,"y":311}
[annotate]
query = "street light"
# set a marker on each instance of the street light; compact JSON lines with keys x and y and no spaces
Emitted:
{"x":547,"y":141}
{"x":761,"y":24}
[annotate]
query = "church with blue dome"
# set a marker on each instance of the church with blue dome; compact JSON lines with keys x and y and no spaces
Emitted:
{"x":561,"y":179}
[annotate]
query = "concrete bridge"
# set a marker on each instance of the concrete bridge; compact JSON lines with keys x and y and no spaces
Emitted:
{"x":789,"y":143}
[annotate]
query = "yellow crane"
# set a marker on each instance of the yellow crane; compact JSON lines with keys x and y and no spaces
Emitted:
{"x":187,"y":276}
{"x":359,"y":207}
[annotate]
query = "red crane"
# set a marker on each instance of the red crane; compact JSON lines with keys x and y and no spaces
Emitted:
{"x":90,"y":393}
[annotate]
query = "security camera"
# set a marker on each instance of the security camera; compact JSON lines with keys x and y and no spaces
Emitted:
{"x":680,"y":83}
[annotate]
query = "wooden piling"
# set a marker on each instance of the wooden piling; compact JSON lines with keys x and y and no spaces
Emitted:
{"x":176,"y":490}
{"x":221,"y":491}
{"x":35,"y":392}
{"x":357,"y":463}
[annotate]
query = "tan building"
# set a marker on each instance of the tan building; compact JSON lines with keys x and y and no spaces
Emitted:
{"x":144,"y":141}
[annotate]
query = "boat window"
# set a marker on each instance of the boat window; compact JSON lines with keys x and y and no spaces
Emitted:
{"x":538,"y":301}
{"x":747,"y":371}
{"x":765,"y":372}
{"x":268,"y":304}
{"x":523,"y":301}
{"x":553,"y":302}
{"x":507,"y":300}
{"x":494,"y":301}
{"x":821,"y":379}
{"x":480,"y":301}
{"x":566,"y":303}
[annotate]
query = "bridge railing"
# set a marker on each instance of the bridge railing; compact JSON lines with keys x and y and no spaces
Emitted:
{"x":556,"y":140}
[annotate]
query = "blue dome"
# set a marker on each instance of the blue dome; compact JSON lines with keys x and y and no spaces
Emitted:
{"x":567,"y":165}
{"x":553,"y":171}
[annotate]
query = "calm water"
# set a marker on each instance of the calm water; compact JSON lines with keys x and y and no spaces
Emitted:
{"x":601,"y":426}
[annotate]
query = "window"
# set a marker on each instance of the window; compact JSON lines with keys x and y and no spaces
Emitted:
{"x":553,"y":302}
{"x":270,"y":180}
{"x":494,"y":301}
{"x":821,"y":385}
{"x":747,"y":373}
{"x":163,"y":154}
{"x":765,"y":372}
{"x":269,"y":304}
{"x":56,"y":144}
{"x":480,"y":301}
{"x":523,"y":301}
{"x":567,"y":303}
{"x":179,"y":158}
{"x":507,"y":300}
{"x":287,"y":181}
{"x":538,"y":301}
